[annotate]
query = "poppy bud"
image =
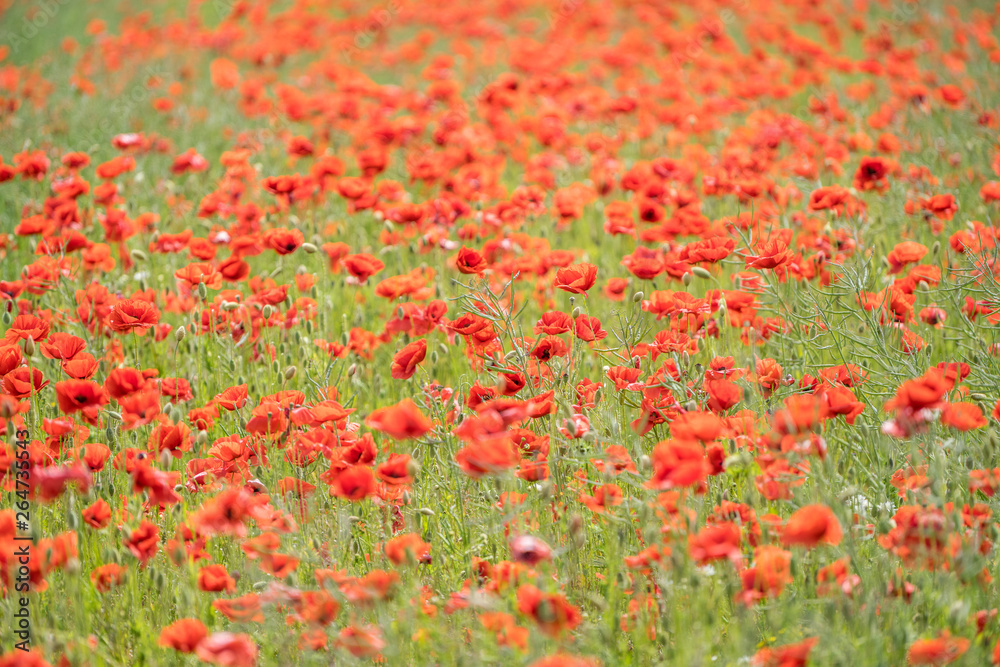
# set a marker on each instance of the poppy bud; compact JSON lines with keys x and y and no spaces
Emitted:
{"x":701,"y":273}
{"x":686,"y":279}
{"x":406,"y":498}
{"x":935,"y":249}
{"x":165,"y":458}
{"x":434,"y":356}
{"x":7,"y":318}
{"x":637,"y":297}
{"x":351,"y":370}
{"x":202,"y":437}
{"x":203,"y":290}
{"x":426,"y":511}
{"x":691,"y":406}
{"x":266,"y":312}
{"x":309,"y":248}
{"x":290,"y":372}
{"x":138,"y":255}
{"x":230,"y":305}
{"x":29,"y":346}
{"x":576,"y":312}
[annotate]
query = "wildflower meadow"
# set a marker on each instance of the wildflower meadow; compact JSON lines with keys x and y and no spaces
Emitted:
{"x":548,"y":333}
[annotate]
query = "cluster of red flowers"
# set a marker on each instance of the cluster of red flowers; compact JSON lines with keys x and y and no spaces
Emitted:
{"x":666,"y":300}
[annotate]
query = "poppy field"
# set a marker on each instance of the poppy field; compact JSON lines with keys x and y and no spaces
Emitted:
{"x":555,"y":333}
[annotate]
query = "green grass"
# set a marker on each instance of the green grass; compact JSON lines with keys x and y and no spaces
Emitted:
{"x":697,"y":620}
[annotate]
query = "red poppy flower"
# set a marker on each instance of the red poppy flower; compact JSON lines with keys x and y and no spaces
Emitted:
{"x":131,"y":315}
{"x":76,"y":395}
{"x":576,"y":279}
{"x":227,"y":649}
{"x":404,"y":363}
{"x":183,"y":635}
{"x":811,"y":525}
{"x":401,"y":421}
